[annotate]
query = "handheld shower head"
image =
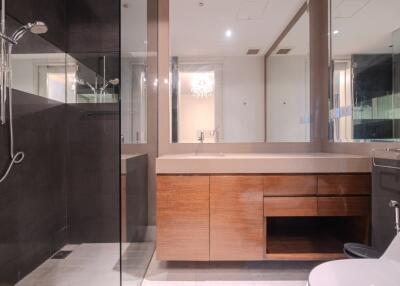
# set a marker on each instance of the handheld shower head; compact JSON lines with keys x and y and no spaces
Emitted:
{"x":35,"y":28}
{"x":39,"y":28}
{"x":114,"y":81}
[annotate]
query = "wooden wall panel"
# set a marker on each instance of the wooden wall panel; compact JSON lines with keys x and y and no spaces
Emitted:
{"x":236,"y":218}
{"x":183,"y":218}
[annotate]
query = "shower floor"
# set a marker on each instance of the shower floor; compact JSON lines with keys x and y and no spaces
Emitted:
{"x":94,"y":264}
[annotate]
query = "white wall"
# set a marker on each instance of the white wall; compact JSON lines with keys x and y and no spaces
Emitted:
{"x":288,"y":99}
{"x":243,"y":99}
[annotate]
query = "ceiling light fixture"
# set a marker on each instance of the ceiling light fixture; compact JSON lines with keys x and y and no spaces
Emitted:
{"x":228,"y":33}
{"x":336,"y":32}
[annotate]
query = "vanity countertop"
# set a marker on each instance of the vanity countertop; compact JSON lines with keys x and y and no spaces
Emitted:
{"x":262,"y":163}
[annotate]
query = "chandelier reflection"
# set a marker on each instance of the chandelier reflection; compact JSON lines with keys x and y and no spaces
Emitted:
{"x":202,"y":84}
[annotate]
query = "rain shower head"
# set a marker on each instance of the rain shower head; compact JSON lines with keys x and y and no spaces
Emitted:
{"x":35,"y":28}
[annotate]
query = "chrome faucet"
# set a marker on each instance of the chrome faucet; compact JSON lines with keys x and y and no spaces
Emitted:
{"x":201,"y":137}
{"x":396,"y":206}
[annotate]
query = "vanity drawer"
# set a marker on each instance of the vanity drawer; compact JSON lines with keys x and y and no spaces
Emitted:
{"x":344,"y":206}
{"x":290,"y":206}
{"x":344,"y":185}
{"x":278,"y":186}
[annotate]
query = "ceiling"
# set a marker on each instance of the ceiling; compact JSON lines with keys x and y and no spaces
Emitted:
{"x":197,"y":30}
{"x":364,"y":26}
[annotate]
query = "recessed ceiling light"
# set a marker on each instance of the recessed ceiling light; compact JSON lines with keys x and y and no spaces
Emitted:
{"x":336,"y":32}
{"x":228,"y":33}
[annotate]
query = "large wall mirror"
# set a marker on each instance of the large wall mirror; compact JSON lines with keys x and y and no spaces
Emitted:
{"x":134,"y":71}
{"x":239,"y":71}
{"x":365,"y":84}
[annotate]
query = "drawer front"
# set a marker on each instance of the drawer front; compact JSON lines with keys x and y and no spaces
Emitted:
{"x":286,"y":206}
{"x":280,"y":186}
{"x":330,"y":185}
{"x":344,"y":206}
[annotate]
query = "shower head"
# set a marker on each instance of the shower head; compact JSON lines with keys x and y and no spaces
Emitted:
{"x":39,"y":28}
{"x":35,"y":28}
{"x":114,"y":81}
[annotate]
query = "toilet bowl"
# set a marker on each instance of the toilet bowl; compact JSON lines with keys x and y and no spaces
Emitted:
{"x":361,"y":272}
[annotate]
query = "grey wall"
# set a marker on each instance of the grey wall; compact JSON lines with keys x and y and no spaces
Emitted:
{"x":136,"y":198}
{"x":385,"y":187}
{"x":93,"y":139}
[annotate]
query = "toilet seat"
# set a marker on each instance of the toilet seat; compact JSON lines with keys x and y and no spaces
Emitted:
{"x":360,"y":272}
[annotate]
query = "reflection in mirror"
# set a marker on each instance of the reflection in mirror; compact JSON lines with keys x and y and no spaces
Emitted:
{"x":364,"y":100}
{"x":134,"y":72}
{"x":40,"y":74}
{"x":85,"y":85}
{"x":45,"y":74}
{"x":219,"y":89}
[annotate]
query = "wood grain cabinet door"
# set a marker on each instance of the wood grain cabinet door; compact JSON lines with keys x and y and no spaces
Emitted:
{"x":236,"y":218}
{"x":183,"y":209}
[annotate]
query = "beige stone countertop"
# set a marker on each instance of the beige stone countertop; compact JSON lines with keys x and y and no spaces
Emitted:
{"x":262,"y":163}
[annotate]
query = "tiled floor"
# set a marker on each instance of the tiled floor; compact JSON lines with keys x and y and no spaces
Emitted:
{"x":98,"y":265}
{"x":94,"y":264}
{"x":227,"y":273}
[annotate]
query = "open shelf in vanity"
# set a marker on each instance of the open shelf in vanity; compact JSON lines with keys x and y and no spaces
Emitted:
{"x":312,"y":238}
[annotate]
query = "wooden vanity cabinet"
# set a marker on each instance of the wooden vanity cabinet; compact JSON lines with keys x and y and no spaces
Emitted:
{"x":258,"y":217}
{"x":236,"y":218}
{"x":183,"y":218}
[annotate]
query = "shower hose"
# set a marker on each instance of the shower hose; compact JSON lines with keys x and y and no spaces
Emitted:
{"x":19,"y":156}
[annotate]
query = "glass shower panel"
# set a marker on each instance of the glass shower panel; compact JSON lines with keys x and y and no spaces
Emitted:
{"x":60,"y":206}
{"x":139,"y":86}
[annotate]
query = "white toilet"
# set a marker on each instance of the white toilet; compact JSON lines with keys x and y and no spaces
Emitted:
{"x":384,"y":271}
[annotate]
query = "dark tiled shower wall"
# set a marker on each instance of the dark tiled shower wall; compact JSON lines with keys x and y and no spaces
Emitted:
{"x":93,"y":32}
{"x":93,"y":137}
{"x":93,"y":172}
{"x":33,"y":197}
